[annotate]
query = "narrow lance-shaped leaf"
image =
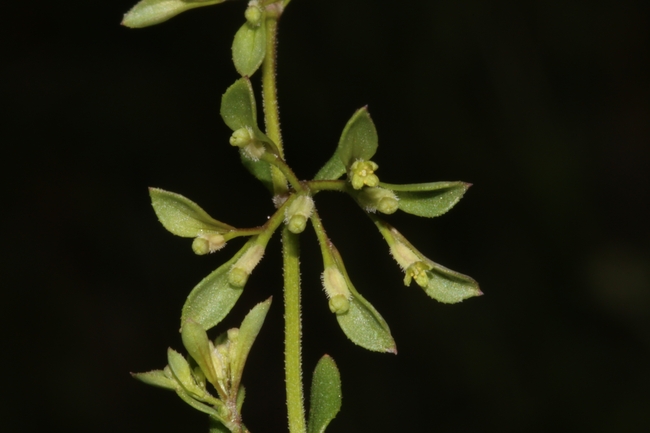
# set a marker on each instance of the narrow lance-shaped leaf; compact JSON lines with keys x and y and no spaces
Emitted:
{"x":156,"y":378}
{"x":213,"y":298}
{"x":248,"y":331}
{"x":249,"y":47}
{"x":183,"y":373}
{"x":150,"y":12}
{"x":183,"y":217}
{"x":196,"y":341}
{"x":358,"y":141}
{"x":428,"y":199}
{"x":362,"y":323}
{"x":325,"y":400}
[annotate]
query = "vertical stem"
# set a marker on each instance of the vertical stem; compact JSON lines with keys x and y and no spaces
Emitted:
{"x":292,"y":330}
{"x":290,"y":244}
{"x":270,"y":93}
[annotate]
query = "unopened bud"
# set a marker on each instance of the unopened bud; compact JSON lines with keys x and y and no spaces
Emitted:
{"x":208,"y":243}
{"x":339,"y":304}
{"x":378,"y":199}
{"x":298,"y":212}
{"x":241,"y":270}
{"x":242,"y":137}
{"x":200,"y":246}
{"x":334,"y":283}
{"x":253,"y":15}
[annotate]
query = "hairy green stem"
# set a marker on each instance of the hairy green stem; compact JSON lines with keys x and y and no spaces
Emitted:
{"x":292,"y":329}
{"x":279,"y":164}
{"x":323,"y":240}
{"x":270,"y":94}
{"x":290,"y":245}
{"x":327,"y":185}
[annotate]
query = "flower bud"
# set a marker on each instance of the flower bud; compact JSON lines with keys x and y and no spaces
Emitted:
{"x":339,"y":304}
{"x":241,"y":270}
{"x":254,"y":16}
{"x":208,"y":243}
{"x":298,"y":212}
{"x":335,"y":287}
{"x":361,"y":174}
{"x":242,"y":137}
{"x":200,"y":246}
{"x":378,"y":199}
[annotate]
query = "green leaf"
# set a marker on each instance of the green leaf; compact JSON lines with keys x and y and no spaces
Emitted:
{"x":260,"y":169}
{"x":187,"y":398}
{"x":182,"y":216}
{"x":183,"y":373}
{"x":196,"y":341}
{"x":362,"y":324}
{"x":248,"y":331}
{"x":249,"y":48}
{"x":449,"y":286}
{"x":241,"y":396}
{"x":156,"y":378}
{"x":238,"y":108}
{"x":365,"y":327}
{"x":149,"y":12}
{"x":442,"y":284}
{"x":358,"y":141}
{"x":428,"y":199}
{"x":325,"y":400}
{"x":213,"y":298}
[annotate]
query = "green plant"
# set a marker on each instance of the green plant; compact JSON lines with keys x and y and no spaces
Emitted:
{"x":220,"y":362}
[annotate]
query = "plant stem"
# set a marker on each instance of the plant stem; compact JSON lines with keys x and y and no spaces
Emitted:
{"x":290,"y":244}
{"x":326,"y":185}
{"x":292,"y":329}
{"x":270,"y":95}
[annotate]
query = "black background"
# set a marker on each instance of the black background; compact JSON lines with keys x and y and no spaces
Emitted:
{"x":542,"y":105}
